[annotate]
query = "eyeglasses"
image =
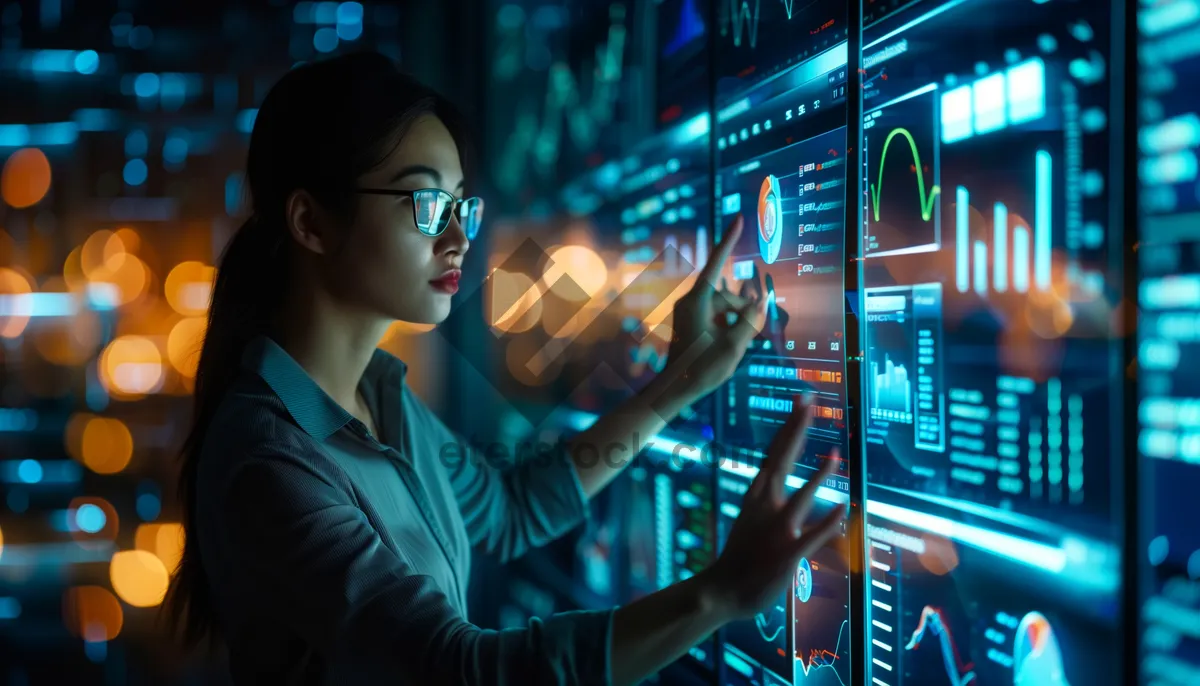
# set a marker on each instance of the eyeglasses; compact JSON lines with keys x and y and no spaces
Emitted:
{"x":433,"y":207}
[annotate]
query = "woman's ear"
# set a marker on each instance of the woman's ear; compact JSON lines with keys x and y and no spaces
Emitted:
{"x":308,"y":223}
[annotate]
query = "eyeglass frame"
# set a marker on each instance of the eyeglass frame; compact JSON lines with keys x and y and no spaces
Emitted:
{"x":458,"y":203}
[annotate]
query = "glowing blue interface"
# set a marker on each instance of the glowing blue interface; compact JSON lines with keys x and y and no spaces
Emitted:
{"x":944,"y":261}
{"x":1168,"y":340}
{"x":991,"y":393}
{"x":759,"y":39}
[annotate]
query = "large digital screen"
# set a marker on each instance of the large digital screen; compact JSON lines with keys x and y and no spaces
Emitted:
{"x":990,"y":277}
{"x":781,"y":164}
{"x":1169,"y":335}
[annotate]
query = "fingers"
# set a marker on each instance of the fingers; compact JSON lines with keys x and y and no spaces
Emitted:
{"x":788,"y":442}
{"x":725,"y":301}
{"x":752,"y":316}
{"x":801,"y":501}
{"x":716,"y":261}
{"x":826,"y":528}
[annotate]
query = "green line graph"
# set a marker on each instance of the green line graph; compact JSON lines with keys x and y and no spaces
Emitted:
{"x":877,"y":188}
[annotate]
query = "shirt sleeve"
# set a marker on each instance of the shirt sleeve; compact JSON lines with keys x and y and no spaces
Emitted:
{"x":314,"y":561}
{"x":509,"y":508}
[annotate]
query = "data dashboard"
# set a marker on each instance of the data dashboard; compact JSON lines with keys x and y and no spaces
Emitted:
{"x":1168,"y":335}
{"x":938,"y":220}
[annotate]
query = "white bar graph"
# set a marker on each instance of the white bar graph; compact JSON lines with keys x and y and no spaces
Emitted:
{"x":1031,"y":260}
{"x":1020,"y":255}
{"x":981,"y":268}
{"x":962,"y":212}
{"x":1000,"y":246}
{"x":1042,"y":220}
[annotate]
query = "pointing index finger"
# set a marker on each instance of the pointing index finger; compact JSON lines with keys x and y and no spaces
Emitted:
{"x":716,"y":261}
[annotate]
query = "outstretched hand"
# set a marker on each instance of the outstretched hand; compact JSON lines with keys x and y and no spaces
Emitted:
{"x":768,"y":538}
{"x":713,"y":326}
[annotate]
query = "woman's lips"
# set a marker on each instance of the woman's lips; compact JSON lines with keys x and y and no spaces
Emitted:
{"x":448,"y":282}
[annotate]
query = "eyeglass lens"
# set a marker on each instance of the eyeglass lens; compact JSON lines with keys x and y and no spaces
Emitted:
{"x":432,"y":210}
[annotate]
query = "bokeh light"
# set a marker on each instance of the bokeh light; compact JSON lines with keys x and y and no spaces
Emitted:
{"x":26,"y":178}
{"x":107,"y":445}
{"x":164,"y":541}
{"x":88,"y":608}
{"x":14,"y":312}
{"x":183,"y":344}
{"x":188,"y":287}
{"x":139,"y":577}
{"x":515,"y":304}
{"x":584,"y":267}
{"x":99,"y":517}
{"x":131,"y":366}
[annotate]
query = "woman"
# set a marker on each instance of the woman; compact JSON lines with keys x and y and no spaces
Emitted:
{"x":328,"y":538}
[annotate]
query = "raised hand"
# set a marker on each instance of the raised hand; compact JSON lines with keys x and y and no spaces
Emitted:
{"x":712,"y":328}
{"x":769,"y":537}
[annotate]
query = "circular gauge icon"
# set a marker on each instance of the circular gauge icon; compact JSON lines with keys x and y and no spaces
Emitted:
{"x":803,"y":580}
{"x":770,"y":219}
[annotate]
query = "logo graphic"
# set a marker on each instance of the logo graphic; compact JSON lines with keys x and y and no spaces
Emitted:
{"x":770,"y":219}
{"x":544,"y":357}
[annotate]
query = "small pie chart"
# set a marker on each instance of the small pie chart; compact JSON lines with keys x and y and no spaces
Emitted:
{"x":770,"y":219}
{"x":804,"y":580}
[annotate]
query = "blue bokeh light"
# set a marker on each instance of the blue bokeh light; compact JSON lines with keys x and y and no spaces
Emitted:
{"x":325,"y":40}
{"x":87,"y":62}
{"x":135,"y":172}
{"x":90,"y":518}
{"x":146,"y":85}
{"x":148,"y":507}
{"x":30,"y":471}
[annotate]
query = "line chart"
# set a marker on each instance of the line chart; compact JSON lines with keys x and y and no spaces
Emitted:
{"x":932,"y":621}
{"x":743,"y":21}
{"x":824,"y":659}
{"x":764,"y":627}
{"x":926,"y":198}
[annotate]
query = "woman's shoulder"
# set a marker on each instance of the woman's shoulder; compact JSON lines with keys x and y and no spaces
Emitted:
{"x":252,"y":423}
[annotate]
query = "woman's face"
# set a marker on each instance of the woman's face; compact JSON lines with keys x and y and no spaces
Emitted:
{"x":387,"y":266}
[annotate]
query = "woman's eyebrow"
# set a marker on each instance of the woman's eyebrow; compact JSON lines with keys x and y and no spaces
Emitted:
{"x":415,"y":169}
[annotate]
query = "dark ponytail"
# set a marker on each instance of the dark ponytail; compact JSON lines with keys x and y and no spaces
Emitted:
{"x":320,"y":127}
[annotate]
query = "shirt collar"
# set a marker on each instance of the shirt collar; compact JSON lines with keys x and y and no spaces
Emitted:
{"x":312,"y":409}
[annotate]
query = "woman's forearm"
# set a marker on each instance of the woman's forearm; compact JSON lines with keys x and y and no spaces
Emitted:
{"x":609,"y":445}
{"x":654,"y":631}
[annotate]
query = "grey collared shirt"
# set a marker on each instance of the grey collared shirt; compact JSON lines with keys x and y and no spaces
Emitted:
{"x":338,"y":557}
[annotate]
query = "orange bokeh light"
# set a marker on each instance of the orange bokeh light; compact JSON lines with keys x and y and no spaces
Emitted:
{"x":128,"y":276}
{"x":515,"y":303}
{"x":107,"y":445}
{"x":26,"y":178}
{"x":582,"y":265}
{"x":131,"y":366}
{"x":188,"y":288}
{"x":139,"y":577}
{"x":92,"y":612}
{"x":164,"y":540}
{"x":14,"y":288}
{"x":183,"y":344}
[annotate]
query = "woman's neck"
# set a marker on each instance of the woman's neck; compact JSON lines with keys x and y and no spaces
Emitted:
{"x":332,"y":343}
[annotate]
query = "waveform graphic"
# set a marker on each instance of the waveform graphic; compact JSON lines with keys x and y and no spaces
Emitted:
{"x":819,"y":658}
{"x":569,"y":109}
{"x":742,"y":21}
{"x":764,"y":627}
{"x":690,"y":27}
{"x":925,"y":197}
{"x":932,"y":621}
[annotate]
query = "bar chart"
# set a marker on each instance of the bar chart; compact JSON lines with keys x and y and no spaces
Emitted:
{"x":1007,"y":262}
{"x":891,"y":391}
